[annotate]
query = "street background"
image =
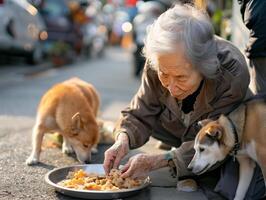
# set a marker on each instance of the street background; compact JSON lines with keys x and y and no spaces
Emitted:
{"x":97,"y":41}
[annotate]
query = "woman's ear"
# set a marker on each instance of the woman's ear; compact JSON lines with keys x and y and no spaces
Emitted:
{"x":76,"y":123}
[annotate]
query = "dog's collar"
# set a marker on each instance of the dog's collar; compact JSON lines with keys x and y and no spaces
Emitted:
{"x":236,"y":146}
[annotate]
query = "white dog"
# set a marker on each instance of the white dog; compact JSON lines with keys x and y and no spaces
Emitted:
{"x":241,"y":134}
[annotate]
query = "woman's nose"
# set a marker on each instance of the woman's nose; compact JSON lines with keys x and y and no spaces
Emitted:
{"x":171,"y":85}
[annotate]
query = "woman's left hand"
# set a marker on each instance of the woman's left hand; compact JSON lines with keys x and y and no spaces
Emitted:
{"x":138,"y":166}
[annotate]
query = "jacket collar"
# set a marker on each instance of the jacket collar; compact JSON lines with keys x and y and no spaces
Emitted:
{"x":202,"y":104}
{"x":203,"y":101}
{"x":171,"y":103}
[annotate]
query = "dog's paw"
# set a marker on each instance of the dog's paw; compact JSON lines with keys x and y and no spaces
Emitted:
{"x":67,"y":149}
{"x":94,"y":150}
{"x":187,"y":185}
{"x":32,"y":161}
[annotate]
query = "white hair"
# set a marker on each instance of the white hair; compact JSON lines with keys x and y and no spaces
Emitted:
{"x":184,"y":25}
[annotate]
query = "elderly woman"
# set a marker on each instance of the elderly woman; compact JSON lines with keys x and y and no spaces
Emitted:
{"x":189,"y":75}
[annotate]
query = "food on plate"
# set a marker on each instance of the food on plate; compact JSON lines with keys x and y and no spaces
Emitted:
{"x":82,"y":180}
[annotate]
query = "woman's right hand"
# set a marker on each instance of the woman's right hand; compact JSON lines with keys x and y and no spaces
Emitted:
{"x":116,"y":153}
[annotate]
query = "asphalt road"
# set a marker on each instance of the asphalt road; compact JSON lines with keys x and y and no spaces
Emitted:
{"x":21,"y":88}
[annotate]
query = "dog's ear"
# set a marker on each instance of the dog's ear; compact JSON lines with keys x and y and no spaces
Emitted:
{"x":204,"y":122}
{"x":215,"y":133}
{"x":76,"y":123}
{"x":222,"y":119}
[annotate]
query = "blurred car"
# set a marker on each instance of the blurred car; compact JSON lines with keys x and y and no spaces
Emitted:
{"x":120,"y":17}
{"x":22,"y":30}
{"x":95,"y":31}
{"x":60,"y":24}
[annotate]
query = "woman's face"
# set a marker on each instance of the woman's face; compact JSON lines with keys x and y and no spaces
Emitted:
{"x":177,"y":75}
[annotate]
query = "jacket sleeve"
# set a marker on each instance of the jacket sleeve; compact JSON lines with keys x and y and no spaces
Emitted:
{"x":182,"y":157}
{"x":140,"y":116}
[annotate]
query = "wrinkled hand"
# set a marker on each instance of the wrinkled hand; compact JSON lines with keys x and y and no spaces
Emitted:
{"x":116,"y":153}
{"x":138,"y":166}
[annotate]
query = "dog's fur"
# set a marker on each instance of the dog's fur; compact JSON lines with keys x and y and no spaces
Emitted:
{"x":216,"y":139}
{"x":69,"y":108}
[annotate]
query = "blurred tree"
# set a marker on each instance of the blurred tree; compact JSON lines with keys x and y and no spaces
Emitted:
{"x":217,"y":21}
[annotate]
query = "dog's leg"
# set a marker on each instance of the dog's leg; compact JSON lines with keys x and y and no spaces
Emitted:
{"x":66,"y":147}
{"x":37,"y":137}
{"x":246,"y":170}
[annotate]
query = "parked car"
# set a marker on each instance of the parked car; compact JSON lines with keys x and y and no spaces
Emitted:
{"x":94,"y":31}
{"x":22,"y":30}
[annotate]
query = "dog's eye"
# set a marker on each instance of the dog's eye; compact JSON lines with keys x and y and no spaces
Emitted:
{"x":85,"y":145}
{"x":201,"y":149}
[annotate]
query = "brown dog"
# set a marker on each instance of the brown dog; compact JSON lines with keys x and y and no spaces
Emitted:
{"x":69,"y":108}
{"x":241,"y":134}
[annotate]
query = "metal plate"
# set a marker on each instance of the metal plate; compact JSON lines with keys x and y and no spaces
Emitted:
{"x":59,"y":174}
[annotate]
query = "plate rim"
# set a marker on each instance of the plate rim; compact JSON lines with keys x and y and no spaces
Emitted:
{"x":56,"y":186}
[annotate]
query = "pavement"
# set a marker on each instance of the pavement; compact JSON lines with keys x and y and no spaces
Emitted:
{"x":20,"y":90}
